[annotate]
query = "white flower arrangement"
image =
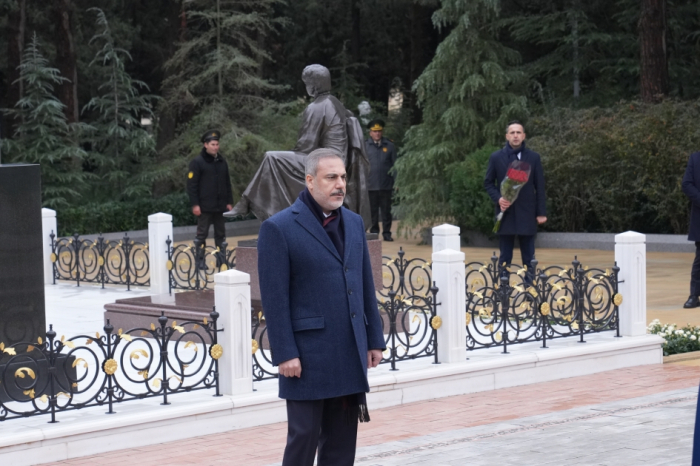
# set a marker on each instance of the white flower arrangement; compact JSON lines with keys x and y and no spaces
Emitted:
{"x":676,"y":340}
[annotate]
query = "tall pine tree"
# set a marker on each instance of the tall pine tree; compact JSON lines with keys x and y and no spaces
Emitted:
{"x":467,"y":96}
{"x":215,"y":81}
{"x":122,"y":150}
{"x":43,"y":136}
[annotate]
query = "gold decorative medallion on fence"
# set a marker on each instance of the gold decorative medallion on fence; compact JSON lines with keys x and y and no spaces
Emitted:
{"x":110,"y":366}
{"x":617,"y":299}
{"x":436,"y":322}
{"x":216,"y":351}
{"x":544,"y":309}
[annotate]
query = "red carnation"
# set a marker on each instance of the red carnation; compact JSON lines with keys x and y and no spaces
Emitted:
{"x":517,"y":175}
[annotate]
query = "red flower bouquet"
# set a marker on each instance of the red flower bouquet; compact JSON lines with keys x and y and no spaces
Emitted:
{"x":517,"y":175}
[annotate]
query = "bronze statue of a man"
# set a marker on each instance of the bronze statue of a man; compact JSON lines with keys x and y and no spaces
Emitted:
{"x":326,"y":124}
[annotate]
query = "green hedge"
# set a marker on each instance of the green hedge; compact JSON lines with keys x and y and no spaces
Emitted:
{"x":607,"y":170}
{"x":122,"y":216}
{"x":471,"y":206}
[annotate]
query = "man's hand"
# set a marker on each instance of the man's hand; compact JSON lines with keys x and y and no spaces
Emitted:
{"x":374,"y":357}
{"x":541,"y":220}
{"x":229,"y":207}
{"x":196,"y":210}
{"x":504,"y":204}
{"x":291,"y":368}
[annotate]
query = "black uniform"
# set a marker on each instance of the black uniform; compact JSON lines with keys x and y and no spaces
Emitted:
{"x":381,"y":183}
{"x":209,"y":187}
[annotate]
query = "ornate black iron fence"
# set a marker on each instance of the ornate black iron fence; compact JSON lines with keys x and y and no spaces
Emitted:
{"x":413,"y":324}
{"x":50,"y":376}
{"x":262,"y":358}
{"x":405,"y":276}
{"x":515,"y":305}
{"x":193,"y":267}
{"x":123,"y":262}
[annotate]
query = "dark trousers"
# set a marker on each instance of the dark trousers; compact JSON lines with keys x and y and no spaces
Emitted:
{"x":209,"y":218}
{"x":319,"y":424}
{"x":695,"y":272}
{"x":527,"y":249}
{"x":380,"y":200}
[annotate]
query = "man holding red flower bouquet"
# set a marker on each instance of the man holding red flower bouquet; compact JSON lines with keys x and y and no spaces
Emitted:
{"x":507,"y":173}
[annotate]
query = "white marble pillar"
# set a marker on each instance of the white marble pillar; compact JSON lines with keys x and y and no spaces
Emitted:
{"x":631,"y":258}
{"x":48,"y":226}
{"x":160,"y":228}
{"x":232,"y":298}
{"x":446,"y":236}
{"x":448,"y":275}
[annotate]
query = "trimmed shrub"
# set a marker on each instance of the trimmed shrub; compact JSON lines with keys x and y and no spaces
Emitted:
{"x":617,"y":169}
{"x":122,"y":216}
{"x":471,"y":206}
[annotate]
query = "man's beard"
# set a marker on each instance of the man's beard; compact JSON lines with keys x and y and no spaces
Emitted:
{"x":336,"y":202}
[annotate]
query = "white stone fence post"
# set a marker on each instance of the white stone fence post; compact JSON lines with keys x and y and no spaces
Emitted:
{"x":48,"y":226}
{"x":232,"y":299}
{"x":160,"y":228}
{"x":631,"y":258}
{"x":448,"y":275}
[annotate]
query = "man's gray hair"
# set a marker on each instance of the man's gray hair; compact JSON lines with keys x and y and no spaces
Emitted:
{"x":313,"y":158}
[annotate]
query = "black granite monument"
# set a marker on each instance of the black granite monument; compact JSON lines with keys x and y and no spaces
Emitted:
{"x":22,"y":312}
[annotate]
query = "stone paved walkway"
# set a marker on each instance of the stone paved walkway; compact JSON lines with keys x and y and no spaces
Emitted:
{"x":640,"y":415}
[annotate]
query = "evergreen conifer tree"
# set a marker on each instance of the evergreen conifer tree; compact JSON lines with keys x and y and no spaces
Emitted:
{"x":216,"y":81}
{"x":43,"y":136}
{"x":467,"y":96}
{"x":122,"y":150}
{"x":567,"y":44}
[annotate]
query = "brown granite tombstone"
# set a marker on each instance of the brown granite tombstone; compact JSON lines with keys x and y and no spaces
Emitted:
{"x":141,"y":312}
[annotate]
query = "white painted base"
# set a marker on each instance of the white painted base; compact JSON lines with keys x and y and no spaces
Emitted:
{"x":90,"y":431}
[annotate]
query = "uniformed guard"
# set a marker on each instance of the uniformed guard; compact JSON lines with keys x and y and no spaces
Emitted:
{"x":382,"y":155}
{"x":209,"y":189}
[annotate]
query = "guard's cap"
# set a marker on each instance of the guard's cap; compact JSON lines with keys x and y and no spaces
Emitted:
{"x":211,"y":136}
{"x":376,"y":125}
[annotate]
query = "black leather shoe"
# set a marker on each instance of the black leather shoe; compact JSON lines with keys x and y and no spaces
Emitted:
{"x":388,"y":238}
{"x":692,"y":302}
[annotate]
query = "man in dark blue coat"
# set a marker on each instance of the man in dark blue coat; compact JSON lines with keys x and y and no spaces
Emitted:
{"x":522,"y":216}
{"x":321,"y":312}
{"x":691,"y":188}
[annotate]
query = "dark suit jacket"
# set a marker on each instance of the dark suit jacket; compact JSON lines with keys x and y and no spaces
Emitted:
{"x":318,"y":306}
{"x":691,"y":188}
{"x":521,"y":217}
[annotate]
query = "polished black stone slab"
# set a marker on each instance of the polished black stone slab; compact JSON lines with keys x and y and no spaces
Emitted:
{"x":22,"y":316}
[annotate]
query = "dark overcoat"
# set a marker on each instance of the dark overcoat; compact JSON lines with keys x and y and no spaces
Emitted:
{"x":381,"y":160}
{"x":691,"y":188}
{"x":319,"y":307}
{"x":521,"y":217}
{"x":208,"y":183}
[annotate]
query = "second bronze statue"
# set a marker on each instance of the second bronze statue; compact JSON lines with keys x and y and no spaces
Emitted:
{"x":326,"y":124}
